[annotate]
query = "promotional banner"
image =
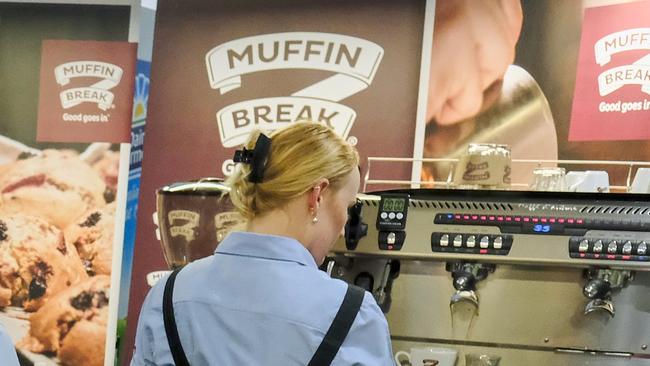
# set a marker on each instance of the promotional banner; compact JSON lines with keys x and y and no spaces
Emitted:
{"x":87,"y":78}
{"x":59,"y":197}
{"x":263,"y":65}
{"x":612,"y":93}
{"x":526,"y":79}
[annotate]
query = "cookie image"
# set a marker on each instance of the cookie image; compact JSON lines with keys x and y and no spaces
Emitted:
{"x":35,"y":261}
{"x":108,"y":168}
{"x":56,"y":185}
{"x":84,"y":344}
{"x":92,"y":236}
{"x":73,"y":324}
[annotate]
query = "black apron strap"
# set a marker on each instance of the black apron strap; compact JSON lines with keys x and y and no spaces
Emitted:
{"x":170,"y":322}
{"x":340,"y":327}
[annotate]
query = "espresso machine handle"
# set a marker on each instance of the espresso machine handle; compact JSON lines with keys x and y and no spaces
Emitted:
{"x":355,"y":228}
{"x":464,"y":296}
{"x":597,"y":305}
{"x":597,"y":288}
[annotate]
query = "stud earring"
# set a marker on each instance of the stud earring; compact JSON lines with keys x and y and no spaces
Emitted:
{"x":314,"y":220}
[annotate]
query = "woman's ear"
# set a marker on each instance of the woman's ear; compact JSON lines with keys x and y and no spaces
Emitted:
{"x":322,"y":186}
{"x":314,"y":195}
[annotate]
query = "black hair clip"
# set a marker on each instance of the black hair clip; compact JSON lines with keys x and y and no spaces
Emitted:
{"x":256,"y":158}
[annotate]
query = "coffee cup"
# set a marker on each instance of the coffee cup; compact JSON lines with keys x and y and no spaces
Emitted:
{"x":428,"y":356}
{"x":641,"y":182}
{"x":587,"y":181}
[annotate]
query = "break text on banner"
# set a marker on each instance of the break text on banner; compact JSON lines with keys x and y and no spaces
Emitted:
{"x":75,"y":96}
{"x":238,"y":120}
{"x":353,"y":58}
{"x":637,"y":73}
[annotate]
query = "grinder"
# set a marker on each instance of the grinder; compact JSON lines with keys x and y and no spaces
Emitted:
{"x":193,"y":218}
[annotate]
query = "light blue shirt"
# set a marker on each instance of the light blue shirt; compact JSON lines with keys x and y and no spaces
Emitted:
{"x":260,"y":300}
{"x":7,"y":350}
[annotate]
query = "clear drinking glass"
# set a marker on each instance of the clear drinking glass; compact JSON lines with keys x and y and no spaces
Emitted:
{"x":475,"y":359}
{"x":548,"y":179}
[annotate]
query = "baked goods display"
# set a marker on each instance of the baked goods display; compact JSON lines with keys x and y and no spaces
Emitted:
{"x":73,"y":324}
{"x":35,"y":261}
{"x":57,"y":219}
{"x":92,"y":236}
{"x":56,"y":185}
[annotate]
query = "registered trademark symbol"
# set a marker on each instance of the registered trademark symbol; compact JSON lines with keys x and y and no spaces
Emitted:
{"x":352,"y":140}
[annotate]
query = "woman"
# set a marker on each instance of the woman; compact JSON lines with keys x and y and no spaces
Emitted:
{"x":7,"y":350}
{"x":261,"y":299}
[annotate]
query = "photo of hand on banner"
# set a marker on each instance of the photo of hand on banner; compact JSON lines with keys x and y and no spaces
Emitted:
{"x":481,"y":97}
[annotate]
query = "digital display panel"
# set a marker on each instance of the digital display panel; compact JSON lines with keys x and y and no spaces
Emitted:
{"x":542,"y":228}
{"x":393,"y":204}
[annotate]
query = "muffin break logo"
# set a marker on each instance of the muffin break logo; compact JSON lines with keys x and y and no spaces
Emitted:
{"x":86,"y":91}
{"x":637,"y":73}
{"x":612,"y":87}
{"x":354,"y":62}
{"x":109,"y":76}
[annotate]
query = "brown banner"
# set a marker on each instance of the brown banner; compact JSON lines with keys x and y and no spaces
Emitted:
{"x":221,"y":69}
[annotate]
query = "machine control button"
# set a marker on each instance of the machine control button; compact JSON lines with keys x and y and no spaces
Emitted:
{"x":584,"y":246}
{"x":399,"y":215}
{"x":485,"y":242}
{"x":498,"y":242}
{"x":390,"y":239}
{"x":458,"y":241}
{"x":642,"y":248}
{"x":391,"y":215}
{"x":471,"y":241}
{"x":444,"y":240}
{"x":612,"y":247}
{"x":598,"y":246}
{"x":383,"y":215}
{"x":627,"y":248}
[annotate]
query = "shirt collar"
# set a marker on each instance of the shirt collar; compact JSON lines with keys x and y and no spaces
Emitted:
{"x":266,"y":246}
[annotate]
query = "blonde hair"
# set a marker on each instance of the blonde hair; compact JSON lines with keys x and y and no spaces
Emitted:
{"x":300,"y":155}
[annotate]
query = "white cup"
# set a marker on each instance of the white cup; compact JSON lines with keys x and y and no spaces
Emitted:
{"x":641,"y":182}
{"x":429,"y":356}
{"x":587,"y":181}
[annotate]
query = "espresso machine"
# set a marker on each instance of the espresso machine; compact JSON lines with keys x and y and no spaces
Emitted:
{"x":534,"y":278}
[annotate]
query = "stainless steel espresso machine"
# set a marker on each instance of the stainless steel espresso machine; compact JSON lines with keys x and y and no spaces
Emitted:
{"x":535,"y":278}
